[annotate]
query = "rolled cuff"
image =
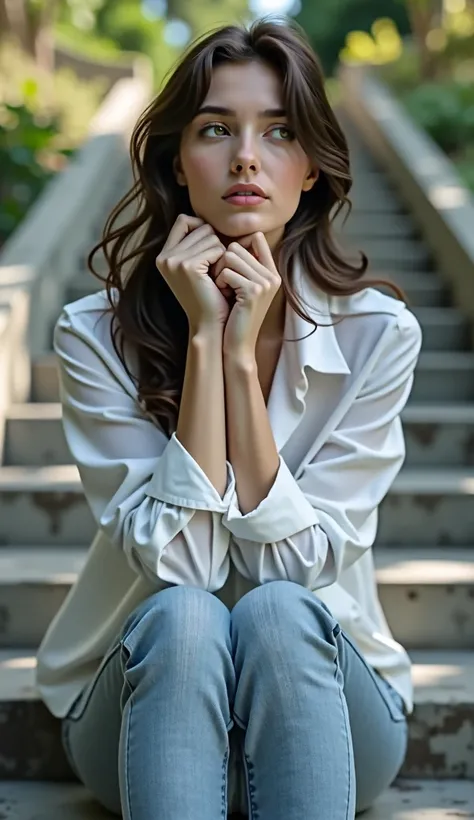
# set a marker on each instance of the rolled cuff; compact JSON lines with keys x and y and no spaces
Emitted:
{"x":284,"y":512}
{"x":179,"y":480}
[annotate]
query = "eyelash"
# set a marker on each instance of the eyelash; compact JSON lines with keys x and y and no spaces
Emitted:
{"x":276,"y":128}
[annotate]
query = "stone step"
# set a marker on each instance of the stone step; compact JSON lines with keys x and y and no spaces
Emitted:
{"x":34,"y":582}
{"x":421,"y":290}
{"x":378,"y":226}
{"x":393,"y":253}
{"x":34,"y":435}
{"x":439,"y":435}
{"x":444,"y":377}
{"x":82,"y":286}
{"x":428,"y":508}
{"x":444,"y":328}
{"x":44,"y":378}
{"x":363,"y":202}
{"x":46,"y":506}
{"x":427,"y":595}
{"x":372,"y":183}
{"x":440,"y":727}
{"x":406,"y":799}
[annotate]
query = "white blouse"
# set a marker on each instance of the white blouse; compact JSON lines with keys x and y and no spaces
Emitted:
{"x":334,"y":409}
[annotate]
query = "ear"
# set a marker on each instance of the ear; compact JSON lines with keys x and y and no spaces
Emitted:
{"x":310,"y":179}
{"x":178,"y":171}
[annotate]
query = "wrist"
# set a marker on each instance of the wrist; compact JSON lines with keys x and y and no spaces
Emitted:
{"x":212,"y":332}
{"x":242,"y":359}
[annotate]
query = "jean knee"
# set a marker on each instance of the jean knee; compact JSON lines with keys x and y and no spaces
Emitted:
{"x":178,"y":615}
{"x":279,"y":609}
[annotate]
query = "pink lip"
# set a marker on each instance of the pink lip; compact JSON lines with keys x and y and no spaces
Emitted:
{"x":245,"y":200}
{"x":250,"y":187}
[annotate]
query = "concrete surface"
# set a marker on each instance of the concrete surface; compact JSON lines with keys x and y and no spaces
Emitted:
{"x":407,"y":800}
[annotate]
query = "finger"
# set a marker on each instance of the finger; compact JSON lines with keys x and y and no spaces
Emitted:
{"x":249,"y":254}
{"x":239,"y":282}
{"x":196,"y":236}
{"x":226,"y":290}
{"x":233,"y":279}
{"x":265,"y":256}
{"x":245,"y":266}
{"x":216,"y":269}
{"x":248,"y":243}
{"x":225,"y":260}
{"x":183,"y":225}
{"x":257,"y":246}
{"x":209,"y":245}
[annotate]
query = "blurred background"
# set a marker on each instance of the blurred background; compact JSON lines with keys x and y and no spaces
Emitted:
{"x":58,"y":59}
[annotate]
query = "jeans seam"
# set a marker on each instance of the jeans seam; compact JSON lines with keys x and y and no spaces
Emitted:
{"x":127,"y":768}
{"x":224,"y":783}
{"x":349,"y":783}
{"x":249,"y":777}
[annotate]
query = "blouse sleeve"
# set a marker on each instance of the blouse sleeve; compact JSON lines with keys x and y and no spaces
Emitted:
{"x":145,"y":491}
{"x":309,"y":530}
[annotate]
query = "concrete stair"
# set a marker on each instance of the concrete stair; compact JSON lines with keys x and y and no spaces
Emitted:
{"x":425,"y":507}
{"x":423,"y":555}
{"x":406,"y":800}
{"x":435,"y":434}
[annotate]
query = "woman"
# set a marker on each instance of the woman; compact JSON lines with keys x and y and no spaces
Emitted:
{"x":233,"y":409}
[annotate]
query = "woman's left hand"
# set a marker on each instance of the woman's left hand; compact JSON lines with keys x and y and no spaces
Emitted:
{"x":248,"y":268}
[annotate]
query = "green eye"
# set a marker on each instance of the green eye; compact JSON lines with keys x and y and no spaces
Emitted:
{"x":215,"y":126}
{"x":289,"y":134}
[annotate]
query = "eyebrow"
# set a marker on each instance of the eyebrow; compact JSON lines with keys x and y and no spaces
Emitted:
{"x":229,"y":112}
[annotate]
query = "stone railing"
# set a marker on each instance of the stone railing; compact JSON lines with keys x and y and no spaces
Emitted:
{"x":44,"y":251}
{"x":425,"y":177}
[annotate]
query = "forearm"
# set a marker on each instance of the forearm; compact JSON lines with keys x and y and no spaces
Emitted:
{"x":201,"y":422}
{"x":251,"y":447}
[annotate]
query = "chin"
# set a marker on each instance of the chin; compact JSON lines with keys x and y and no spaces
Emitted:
{"x":243,"y":224}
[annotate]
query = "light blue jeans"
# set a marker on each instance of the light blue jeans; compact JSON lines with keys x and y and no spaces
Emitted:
{"x":269,"y":710}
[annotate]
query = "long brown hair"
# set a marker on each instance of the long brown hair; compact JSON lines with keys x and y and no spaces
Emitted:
{"x":146,"y":314}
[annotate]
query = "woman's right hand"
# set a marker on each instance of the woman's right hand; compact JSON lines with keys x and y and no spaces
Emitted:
{"x":188,"y":253}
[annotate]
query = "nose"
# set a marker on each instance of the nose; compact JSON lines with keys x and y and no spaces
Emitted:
{"x":246,"y":157}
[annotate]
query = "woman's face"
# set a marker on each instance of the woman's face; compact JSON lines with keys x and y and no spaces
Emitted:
{"x":242,"y":136}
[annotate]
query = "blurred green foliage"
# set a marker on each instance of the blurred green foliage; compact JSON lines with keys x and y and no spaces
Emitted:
{"x":445,"y":110}
{"x":43,"y":119}
{"x":130,"y":26}
{"x":328,"y":22}
{"x":125,"y":24}
{"x":95,"y":47}
{"x":28,"y":159}
{"x":203,"y":15}
{"x":444,"y":104}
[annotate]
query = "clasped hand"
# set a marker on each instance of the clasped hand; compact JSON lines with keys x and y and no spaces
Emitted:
{"x":247,"y":273}
{"x":206,"y":277}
